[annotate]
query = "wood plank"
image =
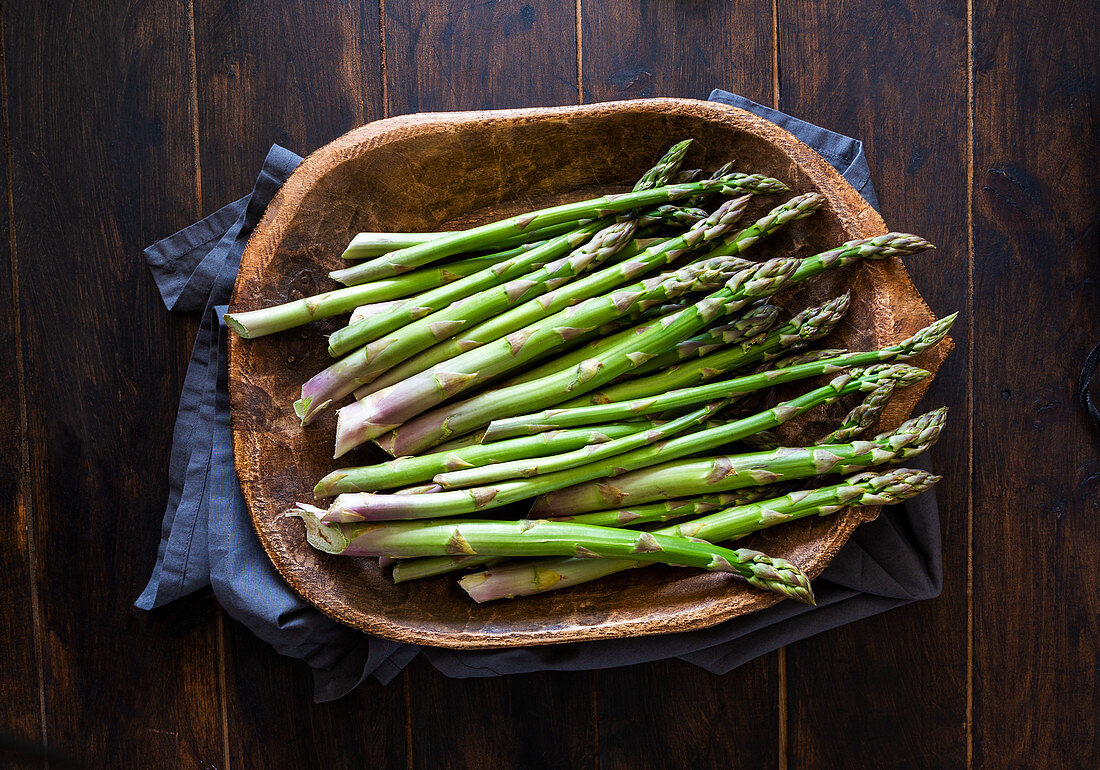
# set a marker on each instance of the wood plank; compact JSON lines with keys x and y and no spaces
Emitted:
{"x":102,"y":165}
{"x":636,"y":50}
{"x":521,"y":720}
{"x":644,"y":713}
{"x":1036,"y":314}
{"x":463,"y":55}
{"x":294,"y":73}
{"x":273,"y":721}
{"x":895,"y":77}
{"x":460,"y":55}
{"x":20,"y":674}
{"x":299,"y":74}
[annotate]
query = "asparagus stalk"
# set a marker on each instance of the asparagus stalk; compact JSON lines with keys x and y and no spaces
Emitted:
{"x":422,"y":333}
{"x":665,"y":168}
{"x":389,"y":408}
{"x":669,"y":510}
{"x":366,"y":311}
{"x":269,"y":320}
{"x":718,"y":173}
{"x":375,"y":507}
{"x":708,"y":475}
{"x":554,"y":419}
{"x":427,"y":358}
{"x":486,"y":236}
{"x":341,"y":378}
{"x":525,"y":468}
{"x":809,"y":325}
{"x":368,"y":245}
{"x":561,"y":299}
{"x":429,"y":566}
{"x":542,"y":538}
{"x":363,"y":332}
{"x":751,"y":281}
{"x":862,"y":417}
{"x":756,"y":320}
{"x":414,"y":470}
{"x":374,"y":244}
{"x":525,"y":578}
{"x":668,"y":214}
{"x":880,"y":247}
{"x":798,"y":207}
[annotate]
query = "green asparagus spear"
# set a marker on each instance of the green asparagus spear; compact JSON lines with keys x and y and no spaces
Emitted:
{"x":554,"y":419}
{"x":368,"y":245}
{"x":525,"y":578}
{"x":755,"y":320}
{"x":752,"y":281}
{"x":525,"y":468}
{"x":486,"y":236}
{"x":269,"y":320}
{"x":414,"y":470}
{"x":389,"y":408}
{"x":668,"y":510}
{"x":658,"y":254}
{"x":541,"y":538}
{"x":366,"y":506}
{"x":809,"y":325}
{"x":686,"y":478}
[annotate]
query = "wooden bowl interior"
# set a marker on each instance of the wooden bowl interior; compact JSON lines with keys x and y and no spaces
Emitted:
{"x":444,"y":172}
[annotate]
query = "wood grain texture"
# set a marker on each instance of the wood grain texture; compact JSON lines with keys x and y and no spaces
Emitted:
{"x":469,"y":55}
{"x":895,"y":77}
{"x":296,"y":73}
{"x":522,"y":720}
{"x":20,"y":672}
{"x":274,"y":723}
{"x":1037,"y":313}
{"x":101,"y":150}
{"x":375,"y":176}
{"x":682,"y":48}
{"x":697,"y":720}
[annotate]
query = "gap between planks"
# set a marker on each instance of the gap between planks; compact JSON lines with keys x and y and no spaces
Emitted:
{"x":193,"y":63}
{"x":580,"y":57}
{"x":382,"y":58}
{"x":219,"y":622}
{"x":969,"y":720}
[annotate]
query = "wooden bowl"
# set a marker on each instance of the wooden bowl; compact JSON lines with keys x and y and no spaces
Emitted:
{"x":447,"y":170}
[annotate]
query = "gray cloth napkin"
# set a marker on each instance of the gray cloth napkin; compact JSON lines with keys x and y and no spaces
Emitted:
{"x":207,"y":537}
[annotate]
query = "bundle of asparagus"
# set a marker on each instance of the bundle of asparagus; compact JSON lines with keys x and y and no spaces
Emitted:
{"x":597,"y":387}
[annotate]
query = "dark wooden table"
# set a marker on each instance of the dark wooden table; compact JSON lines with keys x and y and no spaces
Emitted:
{"x":125,"y":121}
